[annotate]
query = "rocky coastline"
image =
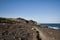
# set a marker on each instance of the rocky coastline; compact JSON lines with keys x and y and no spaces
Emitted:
{"x":21,"y":29}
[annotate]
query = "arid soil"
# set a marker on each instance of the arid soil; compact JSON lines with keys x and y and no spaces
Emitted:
{"x":48,"y":33}
{"x":21,"y":29}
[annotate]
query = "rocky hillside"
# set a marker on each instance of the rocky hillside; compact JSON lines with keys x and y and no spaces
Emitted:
{"x":21,"y":29}
{"x":17,"y":29}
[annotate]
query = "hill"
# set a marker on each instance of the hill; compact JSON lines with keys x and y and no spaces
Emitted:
{"x":21,"y":29}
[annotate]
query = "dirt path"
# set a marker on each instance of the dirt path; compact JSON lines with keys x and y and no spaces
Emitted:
{"x":43,"y":35}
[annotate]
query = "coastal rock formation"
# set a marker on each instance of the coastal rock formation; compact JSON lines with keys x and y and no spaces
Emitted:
{"x":21,"y":29}
{"x":17,"y":29}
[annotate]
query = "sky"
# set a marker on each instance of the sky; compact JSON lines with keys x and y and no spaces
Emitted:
{"x":42,"y":11}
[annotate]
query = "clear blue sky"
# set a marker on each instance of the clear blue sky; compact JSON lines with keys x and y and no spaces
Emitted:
{"x":42,"y":11}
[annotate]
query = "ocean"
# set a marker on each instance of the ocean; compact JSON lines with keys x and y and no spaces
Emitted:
{"x":54,"y":26}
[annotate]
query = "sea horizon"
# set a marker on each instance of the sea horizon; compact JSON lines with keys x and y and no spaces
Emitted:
{"x":51,"y":25}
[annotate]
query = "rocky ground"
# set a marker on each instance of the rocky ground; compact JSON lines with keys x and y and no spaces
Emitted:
{"x":21,"y":29}
{"x":48,"y":33}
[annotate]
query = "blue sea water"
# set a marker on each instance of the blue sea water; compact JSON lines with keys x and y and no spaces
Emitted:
{"x":54,"y":26}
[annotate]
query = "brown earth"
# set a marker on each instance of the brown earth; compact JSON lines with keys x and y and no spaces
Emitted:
{"x":48,"y":33}
{"x":21,"y":29}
